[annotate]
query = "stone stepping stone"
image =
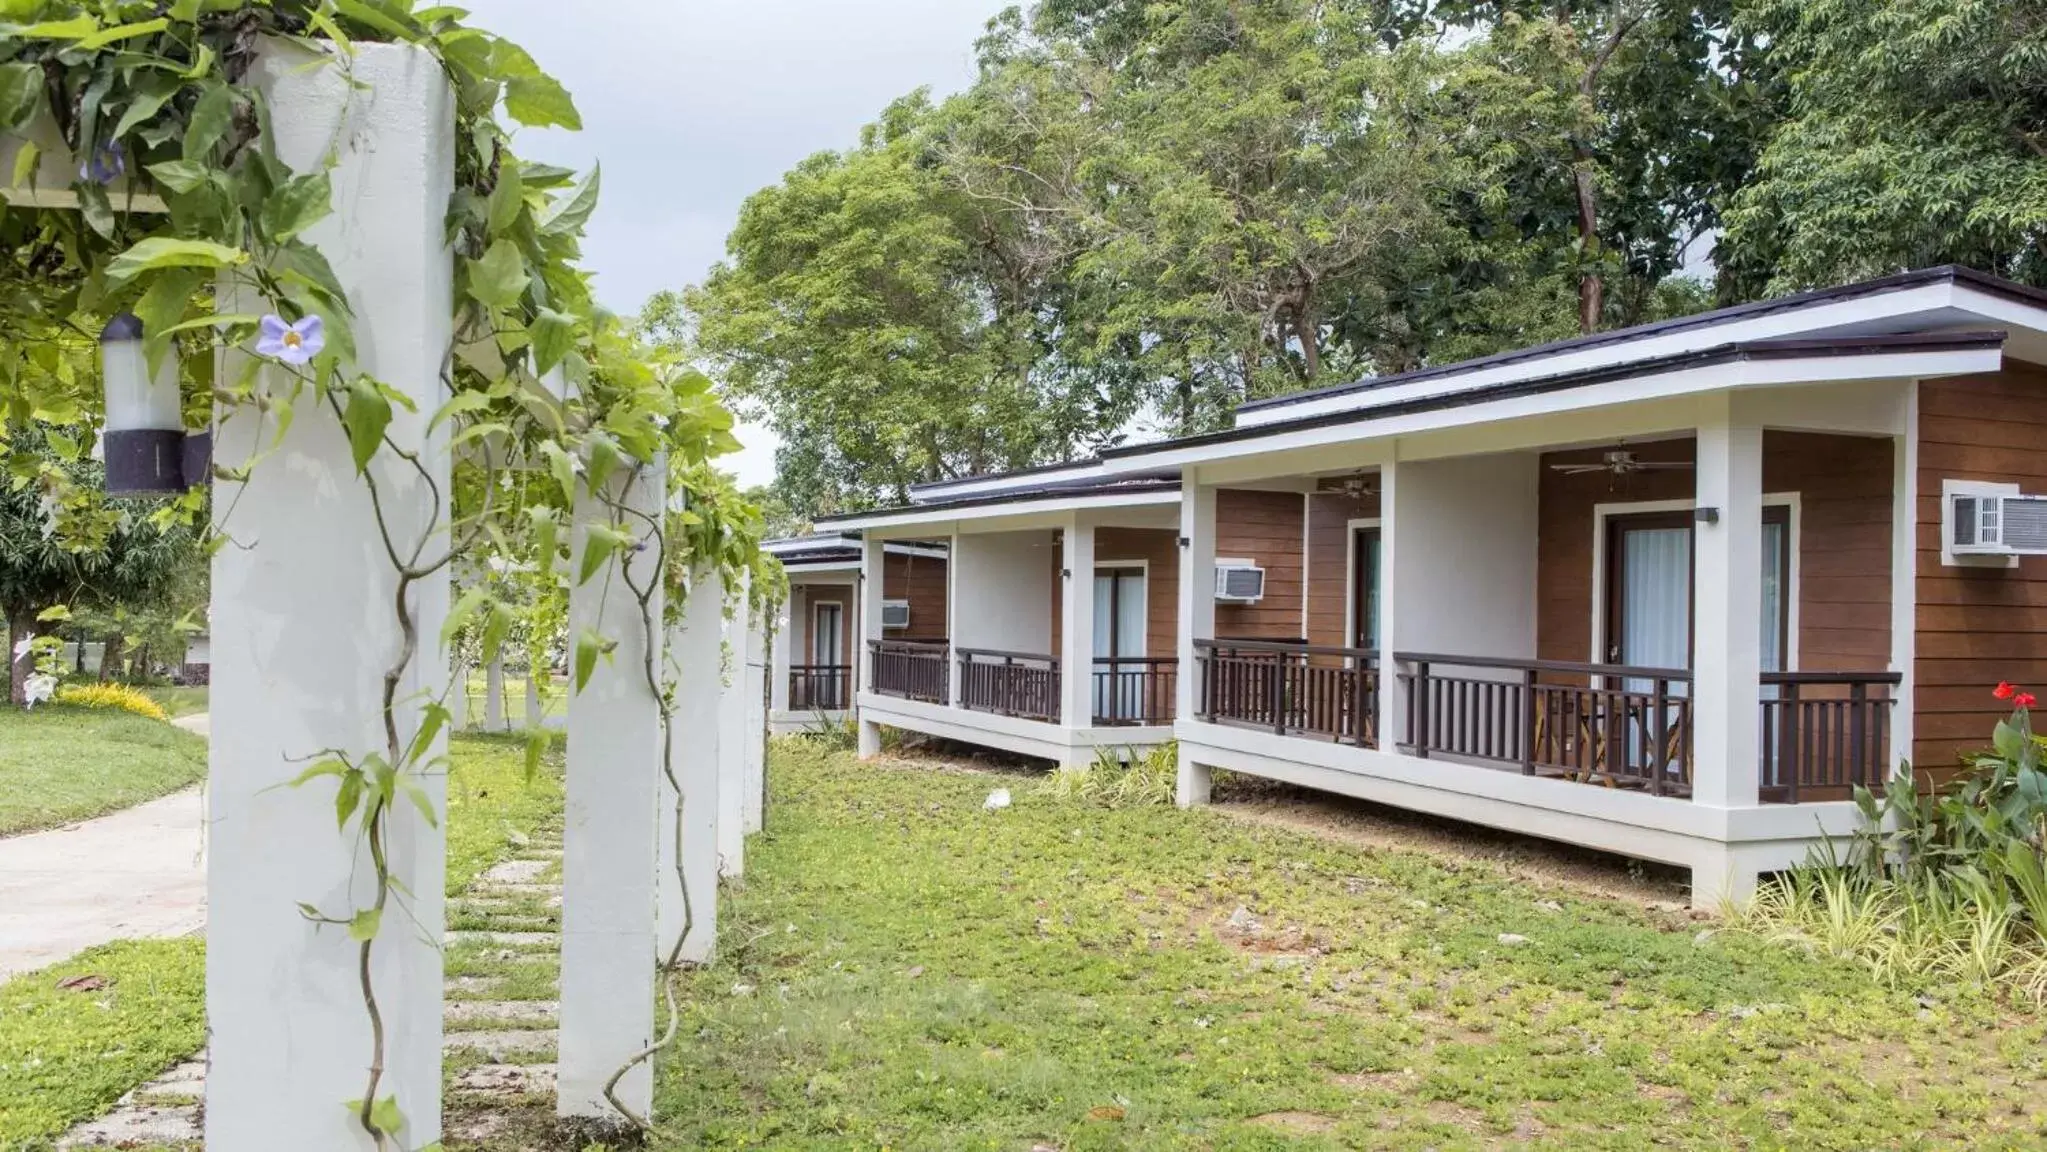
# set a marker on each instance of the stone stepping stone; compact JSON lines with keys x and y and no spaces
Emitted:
{"x":138,"y":1125}
{"x":514,"y":940}
{"x":531,"y":1012}
{"x":501,"y":1046}
{"x":520,"y":871}
{"x":507,"y":1080}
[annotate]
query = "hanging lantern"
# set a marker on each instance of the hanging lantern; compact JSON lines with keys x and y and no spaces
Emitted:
{"x":144,"y":441}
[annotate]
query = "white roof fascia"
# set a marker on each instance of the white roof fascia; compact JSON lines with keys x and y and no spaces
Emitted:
{"x":995,"y":485}
{"x":1708,"y":378}
{"x":991,"y":514}
{"x":1789,"y":324}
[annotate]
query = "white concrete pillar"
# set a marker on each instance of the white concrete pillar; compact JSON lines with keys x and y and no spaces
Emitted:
{"x":1392,"y":692}
{"x":303,"y":632}
{"x":1904,"y":575}
{"x":1197,"y":617}
{"x":696,"y":645}
{"x":752,"y":802}
{"x":533,"y":677}
{"x":871,"y":559}
{"x":1727,"y":552}
{"x":494,"y":694}
{"x":1077,"y":624}
{"x":609,"y":852}
{"x":781,"y":654}
{"x":961,"y":625}
{"x":732,"y":710}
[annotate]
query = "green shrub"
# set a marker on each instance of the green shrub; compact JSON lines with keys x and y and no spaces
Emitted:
{"x":1114,"y":780}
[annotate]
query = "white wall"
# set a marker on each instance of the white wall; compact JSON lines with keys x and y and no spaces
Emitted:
{"x":1002,"y":591}
{"x":1460,"y":555}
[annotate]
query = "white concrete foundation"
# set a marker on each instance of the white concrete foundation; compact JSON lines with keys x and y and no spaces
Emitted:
{"x":609,"y":834}
{"x":693,"y":759}
{"x":303,"y":633}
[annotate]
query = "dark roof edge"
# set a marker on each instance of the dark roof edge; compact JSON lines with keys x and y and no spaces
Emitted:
{"x":1948,"y":273}
{"x":1563,"y":381}
{"x":1125,"y":488}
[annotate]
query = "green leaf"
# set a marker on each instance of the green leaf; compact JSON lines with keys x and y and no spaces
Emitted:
{"x":211,"y":118}
{"x":151,"y":94}
{"x":605,"y":459}
{"x":568,"y":214}
{"x":461,"y":403}
{"x":323,"y":768}
{"x":349,"y":796}
{"x":21,"y":94}
{"x":122,"y":32}
{"x":532,"y":97}
{"x":495,"y":629}
{"x":162,"y":306}
{"x":546,"y":536}
{"x":373,"y":15}
{"x":420,"y":800}
{"x":302,"y":202}
{"x":25,"y":164}
{"x":54,"y":612}
{"x":168,"y":252}
{"x":362,"y":927}
{"x":459,"y":615}
{"x":76,"y":28}
{"x":536,"y":743}
{"x":500,"y":277}
{"x":600,"y":541}
{"x":564,"y":469}
{"x":589,"y":646}
{"x":554,"y":337}
{"x":507,"y":198}
{"x":367,"y":415}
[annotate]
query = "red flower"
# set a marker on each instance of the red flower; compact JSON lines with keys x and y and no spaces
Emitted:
{"x":2025,"y":700}
{"x":2005,"y":690}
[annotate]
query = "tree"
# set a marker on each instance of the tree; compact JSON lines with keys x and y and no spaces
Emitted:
{"x":62,"y":543}
{"x":1917,"y":135}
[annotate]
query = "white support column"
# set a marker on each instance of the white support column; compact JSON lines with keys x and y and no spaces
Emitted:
{"x":752,"y":802}
{"x":781,"y":654}
{"x":1392,"y":691}
{"x":1197,"y":617}
{"x":695,"y":645}
{"x":303,"y":633}
{"x":959,"y":627}
{"x":732,"y":710}
{"x":533,"y":677}
{"x":1905,"y":574}
{"x":458,"y":695}
{"x":1077,"y":628}
{"x":494,"y":694}
{"x":609,"y":849}
{"x":870,"y":630}
{"x":1727,"y":583}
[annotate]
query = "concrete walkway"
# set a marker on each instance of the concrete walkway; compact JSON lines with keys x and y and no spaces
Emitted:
{"x":138,"y":872}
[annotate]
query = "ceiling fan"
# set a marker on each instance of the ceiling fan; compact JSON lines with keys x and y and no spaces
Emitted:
{"x":1621,"y":462}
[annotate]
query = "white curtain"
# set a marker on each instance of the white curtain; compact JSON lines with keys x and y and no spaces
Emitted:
{"x":1119,"y":632}
{"x":1656,"y":611}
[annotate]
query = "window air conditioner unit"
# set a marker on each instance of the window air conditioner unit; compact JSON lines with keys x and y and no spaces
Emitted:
{"x":895,"y":614}
{"x":1238,"y":582}
{"x":1996,"y":524}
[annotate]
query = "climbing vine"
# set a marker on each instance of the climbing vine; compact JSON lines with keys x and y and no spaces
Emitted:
{"x":172,"y":204}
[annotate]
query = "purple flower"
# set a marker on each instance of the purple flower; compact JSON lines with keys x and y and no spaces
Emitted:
{"x":294,"y":344}
{"x":103,"y":164}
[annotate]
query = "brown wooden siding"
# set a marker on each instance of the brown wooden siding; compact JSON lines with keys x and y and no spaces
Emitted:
{"x":1159,"y":548}
{"x":1328,"y":570}
{"x":921,"y":581}
{"x":1975,"y":626}
{"x":1264,"y":528}
{"x":1844,"y":542}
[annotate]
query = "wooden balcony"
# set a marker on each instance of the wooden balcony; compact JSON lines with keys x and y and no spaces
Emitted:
{"x":1291,"y":689}
{"x":911,"y":670}
{"x":1135,"y":691}
{"x":1022,"y":684}
{"x":1628,"y":727}
{"x":820,"y":687}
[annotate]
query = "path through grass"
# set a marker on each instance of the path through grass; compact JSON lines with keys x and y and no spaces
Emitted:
{"x":59,"y":764}
{"x":902,"y":969}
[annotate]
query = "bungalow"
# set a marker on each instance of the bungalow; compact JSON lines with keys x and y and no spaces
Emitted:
{"x":1670,"y":591}
{"x":814,"y":675}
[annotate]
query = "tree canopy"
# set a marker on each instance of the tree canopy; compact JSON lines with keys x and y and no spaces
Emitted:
{"x":1141,"y":214}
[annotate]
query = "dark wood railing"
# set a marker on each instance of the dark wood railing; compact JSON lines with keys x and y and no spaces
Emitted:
{"x":912,"y":670}
{"x":1291,"y":689}
{"x":1134,"y":690}
{"x":1608,"y":724}
{"x":1022,"y":684}
{"x":1825,"y":732}
{"x":820,"y":687}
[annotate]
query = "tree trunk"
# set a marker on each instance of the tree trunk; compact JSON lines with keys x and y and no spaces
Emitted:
{"x":110,"y":656}
{"x":139,"y":668}
{"x":1591,"y":288}
{"x":1308,"y":330}
{"x":20,"y":626}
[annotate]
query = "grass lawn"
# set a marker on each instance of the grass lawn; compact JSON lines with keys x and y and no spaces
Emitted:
{"x":58,"y":765}
{"x":901,"y":969}
{"x":180,"y":700}
{"x":67,"y":1054}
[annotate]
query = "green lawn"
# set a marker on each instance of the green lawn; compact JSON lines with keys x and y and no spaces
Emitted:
{"x":901,"y":969}
{"x":58,"y":765}
{"x":67,"y":1054}
{"x":180,"y":701}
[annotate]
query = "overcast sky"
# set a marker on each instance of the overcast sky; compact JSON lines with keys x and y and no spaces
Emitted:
{"x":692,"y":104}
